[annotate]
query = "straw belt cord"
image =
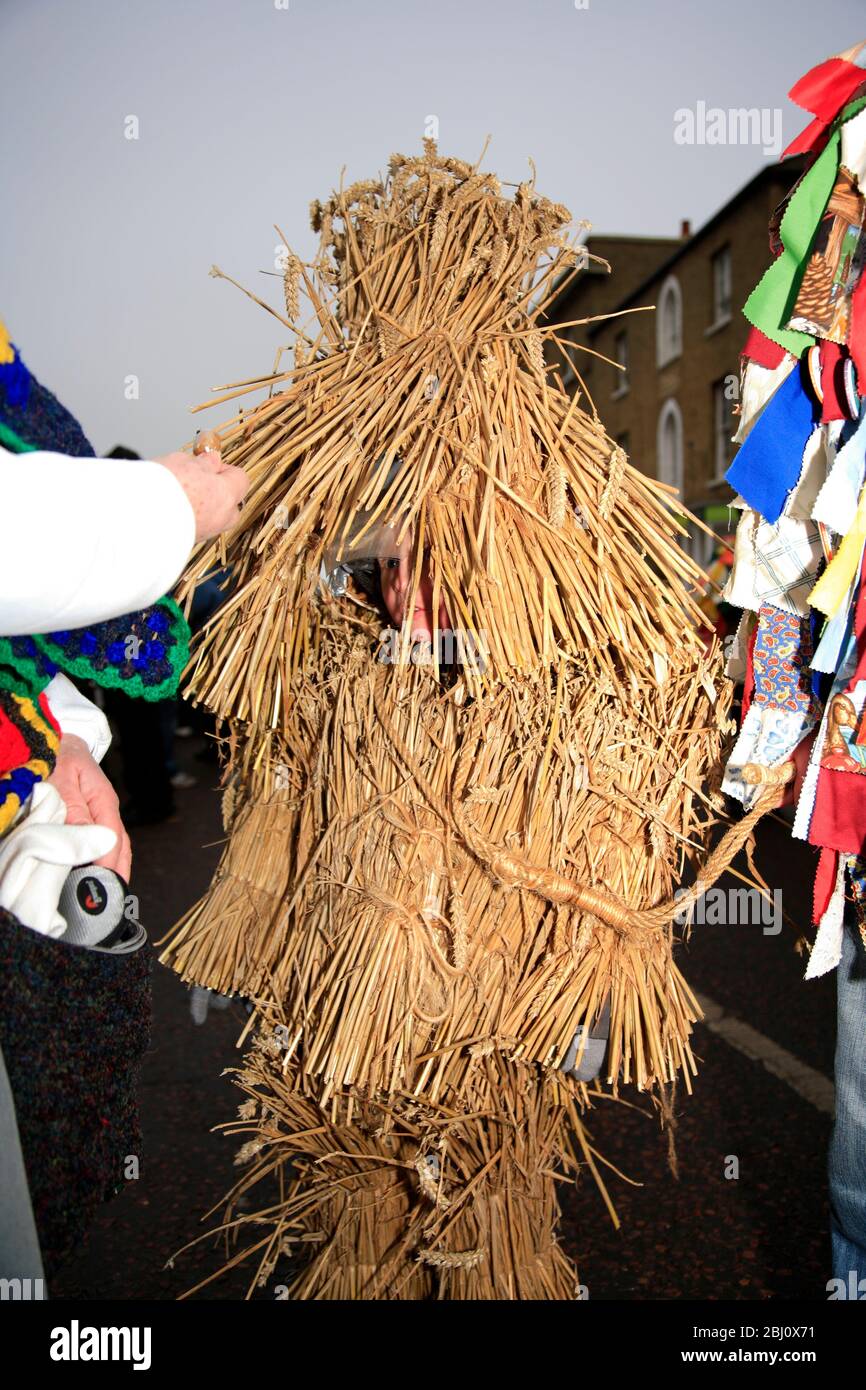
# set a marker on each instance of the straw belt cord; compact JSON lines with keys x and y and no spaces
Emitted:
{"x":517,"y":872}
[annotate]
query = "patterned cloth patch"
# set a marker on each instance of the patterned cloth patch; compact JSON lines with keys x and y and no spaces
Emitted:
{"x":768,"y":736}
{"x":774,"y":564}
{"x":782,"y":653}
{"x":823,"y":306}
{"x":837,"y":501}
{"x":839,"y":814}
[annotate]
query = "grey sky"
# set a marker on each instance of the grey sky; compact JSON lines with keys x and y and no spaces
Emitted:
{"x":247,"y":112}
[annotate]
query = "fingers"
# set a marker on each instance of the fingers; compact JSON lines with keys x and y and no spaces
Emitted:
{"x":237,"y":480}
{"x":214,"y":490}
{"x":120,"y":857}
{"x":125,"y":869}
{"x":103,"y":808}
{"x":233,"y":477}
{"x":211,"y":462}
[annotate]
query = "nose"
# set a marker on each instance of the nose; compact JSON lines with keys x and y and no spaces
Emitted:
{"x":401,"y":580}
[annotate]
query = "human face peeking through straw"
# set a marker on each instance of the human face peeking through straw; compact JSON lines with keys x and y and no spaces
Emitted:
{"x":395,"y":578}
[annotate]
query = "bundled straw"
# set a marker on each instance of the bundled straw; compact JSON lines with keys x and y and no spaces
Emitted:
{"x":433,"y":877}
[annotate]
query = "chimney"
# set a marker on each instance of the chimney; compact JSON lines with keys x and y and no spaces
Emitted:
{"x":685,"y":228}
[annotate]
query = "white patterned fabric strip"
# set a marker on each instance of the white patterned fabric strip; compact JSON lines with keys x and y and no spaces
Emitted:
{"x":773,"y":563}
{"x":768,"y":736}
{"x":737,"y":648}
{"x":836,"y":503}
{"x":813,"y":474}
{"x":827,"y":950}
{"x":759,"y":384}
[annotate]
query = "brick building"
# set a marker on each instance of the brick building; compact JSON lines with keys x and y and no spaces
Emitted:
{"x":670,"y":400}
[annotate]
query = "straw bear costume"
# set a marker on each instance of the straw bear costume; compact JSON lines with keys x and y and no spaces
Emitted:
{"x":433,"y":880}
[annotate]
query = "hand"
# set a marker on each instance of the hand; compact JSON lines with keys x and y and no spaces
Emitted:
{"x":214,"y":489}
{"x":90,"y":799}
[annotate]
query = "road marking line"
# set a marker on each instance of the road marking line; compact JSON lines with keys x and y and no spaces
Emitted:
{"x":812,"y":1085}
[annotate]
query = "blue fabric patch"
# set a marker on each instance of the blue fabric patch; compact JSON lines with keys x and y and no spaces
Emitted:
{"x":770,"y":460}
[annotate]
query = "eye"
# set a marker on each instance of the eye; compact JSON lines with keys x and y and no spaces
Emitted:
{"x":392,"y":563}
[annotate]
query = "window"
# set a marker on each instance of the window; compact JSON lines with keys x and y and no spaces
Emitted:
{"x":722,"y":286}
{"x":620,"y":348}
{"x":669,"y":445}
{"x":724,"y":426}
{"x":669,"y":322}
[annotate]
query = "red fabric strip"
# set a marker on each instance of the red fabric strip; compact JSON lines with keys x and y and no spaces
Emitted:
{"x":825,"y":882}
{"x":814,"y":137}
{"x":832,"y":407}
{"x":839,"y":818}
{"x":824,"y":89}
{"x":761,"y":349}
{"x":749,"y":682}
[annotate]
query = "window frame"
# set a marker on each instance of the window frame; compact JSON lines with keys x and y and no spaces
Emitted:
{"x":670,"y":410}
{"x":669,"y":346}
{"x":721,"y":312}
{"x":723,"y":423}
{"x":622,"y":384}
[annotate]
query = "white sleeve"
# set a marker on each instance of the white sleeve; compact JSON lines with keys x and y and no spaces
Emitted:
{"x":77,"y":715}
{"x":82,"y":540}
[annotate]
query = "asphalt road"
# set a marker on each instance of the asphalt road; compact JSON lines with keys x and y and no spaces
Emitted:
{"x":759,"y":1235}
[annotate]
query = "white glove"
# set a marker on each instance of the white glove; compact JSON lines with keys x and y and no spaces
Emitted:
{"x":77,"y":715}
{"x":35,"y":859}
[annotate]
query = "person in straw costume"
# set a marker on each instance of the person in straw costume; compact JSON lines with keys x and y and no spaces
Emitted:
{"x":439,"y":873}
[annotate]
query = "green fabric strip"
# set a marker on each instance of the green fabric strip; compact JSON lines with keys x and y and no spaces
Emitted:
{"x":772,"y":301}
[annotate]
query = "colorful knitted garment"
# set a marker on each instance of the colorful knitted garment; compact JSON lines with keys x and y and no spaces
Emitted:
{"x":34,"y":415}
{"x":14,"y":376}
{"x":141,"y":653}
{"x":29,"y":739}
